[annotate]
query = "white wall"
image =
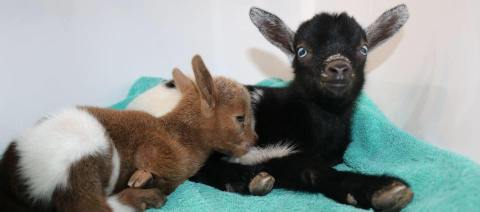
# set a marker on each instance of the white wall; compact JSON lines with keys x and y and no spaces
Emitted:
{"x":66,"y":52}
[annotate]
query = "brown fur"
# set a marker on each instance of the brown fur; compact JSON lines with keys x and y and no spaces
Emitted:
{"x":13,"y":189}
{"x":172,"y":148}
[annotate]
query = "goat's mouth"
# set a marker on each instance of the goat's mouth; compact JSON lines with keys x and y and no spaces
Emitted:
{"x":336,"y":87}
{"x":340,"y":84}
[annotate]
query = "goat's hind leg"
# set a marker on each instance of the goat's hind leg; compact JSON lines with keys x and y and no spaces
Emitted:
{"x":130,"y":199}
{"x":307,"y":173}
{"x":71,"y":200}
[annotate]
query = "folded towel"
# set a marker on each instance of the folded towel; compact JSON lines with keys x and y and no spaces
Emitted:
{"x":441,"y":181}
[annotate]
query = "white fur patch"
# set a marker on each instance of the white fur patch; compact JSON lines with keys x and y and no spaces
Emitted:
{"x":117,"y":206}
{"x":115,"y":171}
{"x":257,"y":94}
{"x":157,"y":101}
{"x":48,"y":150}
{"x":258,"y":155}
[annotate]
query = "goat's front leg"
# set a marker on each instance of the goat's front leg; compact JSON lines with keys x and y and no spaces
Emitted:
{"x":232,"y":177}
{"x":308,"y":173}
{"x":261,"y":184}
{"x":302,"y":172}
{"x":156,"y":173}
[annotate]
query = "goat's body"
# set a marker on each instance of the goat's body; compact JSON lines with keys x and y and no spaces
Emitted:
{"x":283,"y":115}
{"x":285,"y":118}
{"x":76,"y":159}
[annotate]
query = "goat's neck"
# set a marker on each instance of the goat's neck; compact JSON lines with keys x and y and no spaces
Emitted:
{"x":333,"y":105}
{"x":184,"y":125}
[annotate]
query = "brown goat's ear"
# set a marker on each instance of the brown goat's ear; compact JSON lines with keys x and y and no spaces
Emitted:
{"x":182,"y":82}
{"x":274,"y":30}
{"x":204,"y":83}
{"x":386,"y":25}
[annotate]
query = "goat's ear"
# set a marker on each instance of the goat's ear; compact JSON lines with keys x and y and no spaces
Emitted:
{"x":386,"y":25}
{"x":274,"y":30}
{"x":204,"y":84}
{"x":182,"y":82}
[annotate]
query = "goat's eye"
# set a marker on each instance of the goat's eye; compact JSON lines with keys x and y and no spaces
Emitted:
{"x":302,"y":52}
{"x":364,"y":50}
{"x":240,"y":119}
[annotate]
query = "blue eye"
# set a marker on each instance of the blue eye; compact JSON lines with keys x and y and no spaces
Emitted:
{"x":364,"y":50}
{"x":302,"y":52}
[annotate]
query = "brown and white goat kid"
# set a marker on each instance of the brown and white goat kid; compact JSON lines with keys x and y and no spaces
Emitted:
{"x":82,"y":158}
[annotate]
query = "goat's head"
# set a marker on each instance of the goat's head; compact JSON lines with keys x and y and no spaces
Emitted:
{"x":225,"y":116}
{"x":329,"y":51}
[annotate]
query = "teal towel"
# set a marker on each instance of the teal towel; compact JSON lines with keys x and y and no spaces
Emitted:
{"x":441,"y":181}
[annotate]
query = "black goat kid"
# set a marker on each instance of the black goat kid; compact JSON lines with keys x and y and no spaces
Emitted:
{"x":304,"y":129}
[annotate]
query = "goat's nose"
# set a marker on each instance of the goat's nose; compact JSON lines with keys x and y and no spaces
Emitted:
{"x":338,"y":69}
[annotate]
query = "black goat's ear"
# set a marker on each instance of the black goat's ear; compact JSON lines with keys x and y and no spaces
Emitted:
{"x":386,"y":25}
{"x":274,"y":30}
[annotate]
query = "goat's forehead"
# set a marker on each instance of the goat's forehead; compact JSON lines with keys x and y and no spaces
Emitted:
{"x":230,"y":91}
{"x":325,"y":27}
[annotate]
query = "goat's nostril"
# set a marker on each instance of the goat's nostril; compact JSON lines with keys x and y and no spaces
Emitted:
{"x":339,"y":69}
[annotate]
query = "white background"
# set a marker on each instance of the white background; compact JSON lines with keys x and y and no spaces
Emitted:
{"x":56,"y":53}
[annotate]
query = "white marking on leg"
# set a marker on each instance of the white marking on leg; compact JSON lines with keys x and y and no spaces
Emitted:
{"x":115,"y":171}
{"x":157,"y":101}
{"x":117,"y":206}
{"x":48,"y":150}
{"x":258,"y":155}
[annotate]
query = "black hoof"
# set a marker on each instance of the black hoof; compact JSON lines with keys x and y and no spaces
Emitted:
{"x":261,"y":184}
{"x":391,"y":198}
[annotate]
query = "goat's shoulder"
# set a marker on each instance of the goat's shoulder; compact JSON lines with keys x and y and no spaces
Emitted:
{"x":287,"y":104}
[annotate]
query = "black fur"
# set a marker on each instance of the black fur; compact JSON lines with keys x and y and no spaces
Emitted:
{"x":170,"y":84}
{"x":316,"y":118}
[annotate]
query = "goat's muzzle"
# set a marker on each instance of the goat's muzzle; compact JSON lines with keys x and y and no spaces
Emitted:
{"x":337,"y":74}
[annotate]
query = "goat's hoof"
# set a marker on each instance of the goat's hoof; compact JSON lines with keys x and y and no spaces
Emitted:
{"x":351,"y":200}
{"x":393,"y":197}
{"x":139,"y":178}
{"x":261,"y":184}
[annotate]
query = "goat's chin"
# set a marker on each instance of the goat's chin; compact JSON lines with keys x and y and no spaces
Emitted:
{"x":337,"y":90}
{"x":337,"y":93}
